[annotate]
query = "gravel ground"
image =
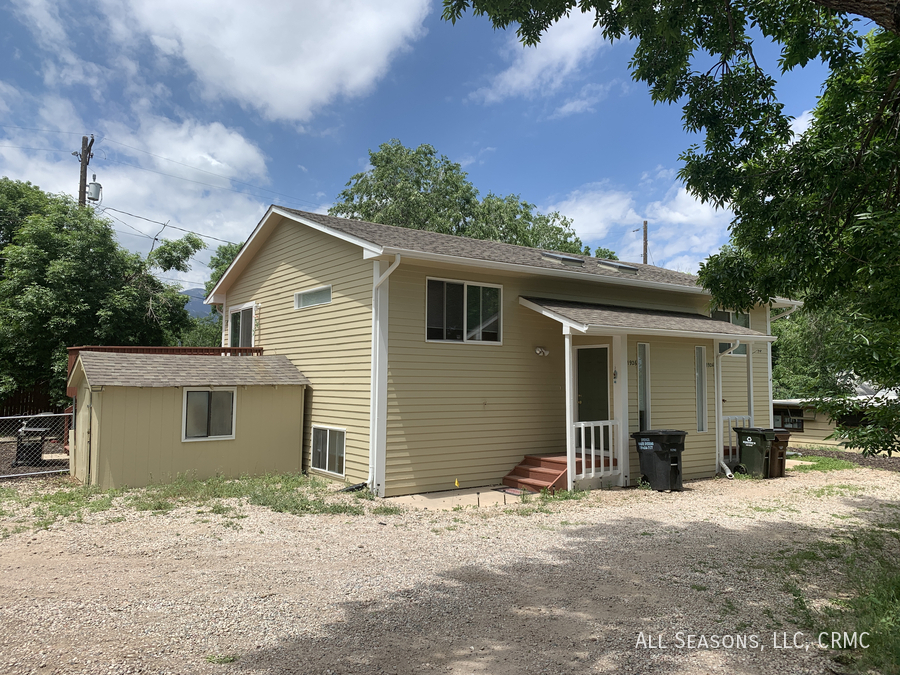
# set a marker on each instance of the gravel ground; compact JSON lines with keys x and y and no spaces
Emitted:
{"x":590,"y":586}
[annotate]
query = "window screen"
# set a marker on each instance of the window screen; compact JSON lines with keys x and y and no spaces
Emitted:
{"x":317,"y":296}
{"x":643,"y":385}
{"x":328,"y":450}
{"x":242,"y":328}
{"x":700,"y":386}
{"x":209,"y":414}
{"x":458,"y":312}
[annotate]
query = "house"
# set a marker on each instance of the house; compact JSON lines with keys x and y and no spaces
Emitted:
{"x":143,"y":418}
{"x":436,"y":360}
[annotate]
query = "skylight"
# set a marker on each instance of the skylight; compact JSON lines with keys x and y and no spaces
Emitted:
{"x":564,"y":259}
{"x":617,"y":266}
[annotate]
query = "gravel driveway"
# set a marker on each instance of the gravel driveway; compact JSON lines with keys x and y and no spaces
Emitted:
{"x":578,"y":586}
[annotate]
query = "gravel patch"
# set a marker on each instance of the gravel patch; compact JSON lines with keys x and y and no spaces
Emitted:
{"x":877,"y":462}
{"x":596,"y":585}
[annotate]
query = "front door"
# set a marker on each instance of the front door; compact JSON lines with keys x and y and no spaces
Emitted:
{"x":593,"y":389}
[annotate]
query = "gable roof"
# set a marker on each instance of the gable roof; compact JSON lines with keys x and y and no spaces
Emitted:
{"x":585,"y":317}
{"x":178,"y":370}
{"x":377,"y":240}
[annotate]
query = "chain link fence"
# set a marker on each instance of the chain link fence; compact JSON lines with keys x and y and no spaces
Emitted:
{"x":35,"y":444}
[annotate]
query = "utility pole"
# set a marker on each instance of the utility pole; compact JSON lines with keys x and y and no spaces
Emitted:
{"x":85,"y":157}
{"x":645,"y":240}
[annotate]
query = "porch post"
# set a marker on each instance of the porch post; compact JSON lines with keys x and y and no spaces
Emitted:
{"x":750,"y":383}
{"x":570,"y":409}
{"x":620,"y":405}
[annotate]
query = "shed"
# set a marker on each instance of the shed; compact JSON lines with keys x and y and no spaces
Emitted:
{"x":147,"y":418}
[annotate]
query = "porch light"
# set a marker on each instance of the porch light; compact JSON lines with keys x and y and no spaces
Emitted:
{"x":541,"y":351}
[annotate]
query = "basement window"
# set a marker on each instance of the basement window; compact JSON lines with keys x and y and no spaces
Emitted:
{"x":328,"y":449}
{"x":208,"y":415}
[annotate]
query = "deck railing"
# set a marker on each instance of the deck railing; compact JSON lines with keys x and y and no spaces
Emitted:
{"x":729,"y":436}
{"x":596,"y":447}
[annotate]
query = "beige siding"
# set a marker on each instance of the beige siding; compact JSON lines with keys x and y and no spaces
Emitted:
{"x":78,"y":464}
{"x":137,"y":439}
{"x":331,"y":343}
{"x":734,"y":377}
{"x":469,"y":412}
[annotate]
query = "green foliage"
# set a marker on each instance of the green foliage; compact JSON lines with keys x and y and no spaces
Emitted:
{"x":822,"y":464}
{"x":18,"y":200}
{"x":67,"y":282}
{"x":807,"y":357}
{"x":219,"y":262}
{"x":203,"y":331}
{"x":604,"y":253}
{"x":418,"y":189}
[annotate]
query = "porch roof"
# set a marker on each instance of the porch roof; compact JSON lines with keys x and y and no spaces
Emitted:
{"x":590,"y":318}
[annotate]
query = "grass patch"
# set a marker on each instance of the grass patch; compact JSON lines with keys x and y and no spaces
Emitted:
{"x":822,"y":464}
{"x":386,"y":510}
{"x":836,"y":491}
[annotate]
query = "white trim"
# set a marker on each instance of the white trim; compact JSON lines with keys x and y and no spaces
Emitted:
{"x":607,"y":347}
{"x":311,"y":450}
{"x":378,"y":384}
{"x":365,"y":244}
{"x":237,"y":309}
{"x":620,"y":404}
{"x":637,"y":362}
{"x":570,"y":410}
{"x":567,"y":323}
{"x":769,"y":369}
{"x":704,"y":413}
{"x":184,"y":393}
{"x":465,"y":285}
{"x":313,"y":290}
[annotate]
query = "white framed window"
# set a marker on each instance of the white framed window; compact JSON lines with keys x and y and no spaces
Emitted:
{"x":208,"y":414}
{"x":459,"y":311}
{"x":700,"y":387}
{"x":328,"y":445}
{"x":643,"y":385}
{"x":737,"y":319}
{"x":241,"y":323}
{"x":314,"y":296}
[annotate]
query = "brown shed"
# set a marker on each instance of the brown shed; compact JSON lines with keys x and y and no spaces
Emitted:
{"x":147,"y":418}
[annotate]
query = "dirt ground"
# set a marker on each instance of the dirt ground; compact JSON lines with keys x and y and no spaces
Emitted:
{"x":617,"y":583}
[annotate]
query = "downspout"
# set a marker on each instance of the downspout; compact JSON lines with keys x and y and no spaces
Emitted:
{"x":720,"y":453}
{"x":376,"y":424}
{"x":785,"y":314}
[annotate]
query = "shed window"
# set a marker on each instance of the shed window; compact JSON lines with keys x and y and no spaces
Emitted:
{"x":462,"y":312}
{"x":241,"y":327}
{"x":312,"y":297}
{"x":734,"y":318}
{"x":208,"y":414}
{"x":328,"y":449}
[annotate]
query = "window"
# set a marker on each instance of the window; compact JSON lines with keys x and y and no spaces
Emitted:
{"x":643,"y":385}
{"x":208,"y":414}
{"x":241,"y":320}
{"x":313,"y":297}
{"x":789,"y":418}
{"x":328,"y":449}
{"x":462,"y":312}
{"x":737,"y":319}
{"x":700,"y":386}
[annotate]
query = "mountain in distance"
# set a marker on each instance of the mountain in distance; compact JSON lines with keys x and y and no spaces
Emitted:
{"x":195,"y":306}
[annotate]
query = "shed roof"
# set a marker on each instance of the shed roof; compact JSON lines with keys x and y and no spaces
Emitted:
{"x":175,"y":370}
{"x":586,"y":317}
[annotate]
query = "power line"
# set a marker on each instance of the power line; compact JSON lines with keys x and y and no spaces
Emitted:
{"x":173,"y":227}
{"x":45,"y":131}
{"x":20,"y":147}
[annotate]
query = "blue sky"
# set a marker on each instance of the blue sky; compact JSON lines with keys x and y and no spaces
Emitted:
{"x":206,"y":112}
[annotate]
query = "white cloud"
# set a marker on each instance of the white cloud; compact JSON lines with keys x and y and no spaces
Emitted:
{"x":285,"y":59}
{"x":801,"y":123}
{"x":589,"y":96}
{"x":468,"y":160}
{"x":682,"y":230}
{"x":567,"y":45}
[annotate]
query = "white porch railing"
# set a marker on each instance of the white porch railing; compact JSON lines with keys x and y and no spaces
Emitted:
{"x":596,"y":447}
{"x":730,"y":448}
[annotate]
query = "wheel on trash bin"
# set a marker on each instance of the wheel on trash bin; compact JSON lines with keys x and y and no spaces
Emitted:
{"x":741,"y":469}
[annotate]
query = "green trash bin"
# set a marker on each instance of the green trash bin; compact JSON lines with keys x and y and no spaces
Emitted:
{"x":659,"y":451}
{"x":778,"y":453}
{"x":755,"y":446}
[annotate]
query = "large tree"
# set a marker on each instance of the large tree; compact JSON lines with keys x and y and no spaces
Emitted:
{"x":815,"y":215}
{"x":67,"y":282}
{"x":420,"y":189}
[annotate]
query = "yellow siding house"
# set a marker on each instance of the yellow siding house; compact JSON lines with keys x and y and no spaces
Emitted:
{"x":436,"y":360}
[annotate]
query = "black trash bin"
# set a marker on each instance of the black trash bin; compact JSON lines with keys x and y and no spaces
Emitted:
{"x":660,"y":453}
{"x":755,"y":450}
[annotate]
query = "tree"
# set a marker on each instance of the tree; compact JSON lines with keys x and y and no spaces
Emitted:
{"x":67,"y":282}
{"x":605,"y":253}
{"x":219,"y":263}
{"x":421,"y":190}
{"x":815,"y":216}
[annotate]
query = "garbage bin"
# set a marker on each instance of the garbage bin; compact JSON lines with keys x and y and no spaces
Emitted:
{"x":755,"y":447}
{"x":778,"y":453}
{"x":660,"y":451}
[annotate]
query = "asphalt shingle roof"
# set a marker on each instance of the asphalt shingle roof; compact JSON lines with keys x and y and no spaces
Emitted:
{"x":178,"y":370}
{"x":590,"y":314}
{"x":488,"y":251}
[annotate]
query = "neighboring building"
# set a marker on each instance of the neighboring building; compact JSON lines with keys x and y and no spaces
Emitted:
{"x":435,"y":359}
{"x":147,"y":418}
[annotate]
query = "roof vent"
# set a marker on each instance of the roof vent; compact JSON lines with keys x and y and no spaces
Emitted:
{"x":564,"y":259}
{"x":617,"y":266}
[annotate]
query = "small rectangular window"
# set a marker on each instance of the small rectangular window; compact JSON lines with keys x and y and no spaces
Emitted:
{"x":462,"y":312}
{"x":312,"y":297}
{"x":208,"y":414}
{"x":643,"y":373}
{"x":241,"y":328}
{"x":328,"y":449}
{"x":734,"y":318}
{"x":700,"y":386}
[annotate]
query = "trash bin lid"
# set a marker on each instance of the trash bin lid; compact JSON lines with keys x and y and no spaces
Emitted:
{"x":768,"y":434}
